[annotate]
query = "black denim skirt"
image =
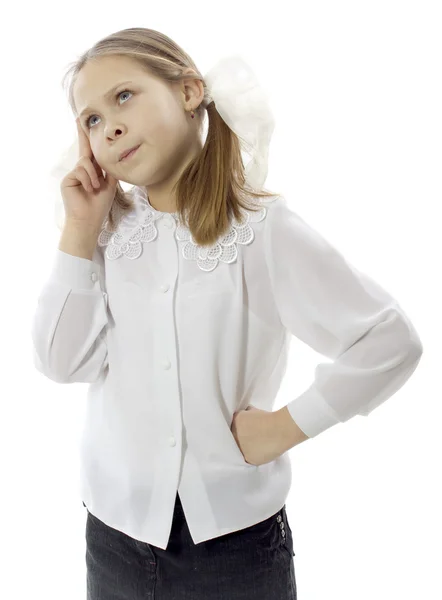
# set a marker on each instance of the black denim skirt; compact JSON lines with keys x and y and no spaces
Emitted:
{"x":255,"y":563}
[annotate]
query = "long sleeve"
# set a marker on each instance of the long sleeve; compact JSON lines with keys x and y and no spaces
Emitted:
{"x":342,"y":314}
{"x":69,"y":325}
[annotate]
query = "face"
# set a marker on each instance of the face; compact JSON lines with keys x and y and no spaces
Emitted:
{"x":146,"y":111}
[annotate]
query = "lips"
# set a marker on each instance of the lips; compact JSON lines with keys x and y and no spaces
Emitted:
{"x":128,"y":151}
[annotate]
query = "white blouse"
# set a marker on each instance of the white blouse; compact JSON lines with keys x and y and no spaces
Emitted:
{"x":174,"y":338}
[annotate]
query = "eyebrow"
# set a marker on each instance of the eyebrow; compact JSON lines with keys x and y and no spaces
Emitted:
{"x":106,"y":95}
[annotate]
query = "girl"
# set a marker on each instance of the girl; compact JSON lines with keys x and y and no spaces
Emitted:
{"x":176,"y":302}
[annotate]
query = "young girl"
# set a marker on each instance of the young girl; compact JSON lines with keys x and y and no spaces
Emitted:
{"x":176,"y":302}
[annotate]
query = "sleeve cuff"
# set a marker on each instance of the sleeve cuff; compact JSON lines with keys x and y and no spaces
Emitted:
{"x":311,"y":413}
{"x":76,"y":272}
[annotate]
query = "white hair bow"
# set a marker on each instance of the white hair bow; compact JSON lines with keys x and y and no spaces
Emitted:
{"x":243,"y":105}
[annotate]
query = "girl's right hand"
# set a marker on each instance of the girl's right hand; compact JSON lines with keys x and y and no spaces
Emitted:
{"x":83,"y":202}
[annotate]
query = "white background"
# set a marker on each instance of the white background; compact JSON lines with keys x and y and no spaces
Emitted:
{"x":355,"y":88}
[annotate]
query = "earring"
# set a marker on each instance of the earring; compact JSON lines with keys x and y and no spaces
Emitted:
{"x":192,"y":114}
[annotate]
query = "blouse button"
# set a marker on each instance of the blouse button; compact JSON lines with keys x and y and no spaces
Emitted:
{"x":166,"y":364}
{"x":168,"y":222}
{"x":94,"y":276}
{"x":164,"y":287}
{"x":172,"y":441}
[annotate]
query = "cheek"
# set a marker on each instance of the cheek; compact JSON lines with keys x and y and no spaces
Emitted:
{"x":177,"y":133}
{"x":98,"y":157}
{"x":168,"y":121}
{"x":101,"y":155}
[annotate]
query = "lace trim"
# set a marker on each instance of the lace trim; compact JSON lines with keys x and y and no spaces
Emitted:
{"x":139,"y":227}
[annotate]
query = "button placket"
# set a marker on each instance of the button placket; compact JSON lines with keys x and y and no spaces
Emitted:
{"x":169,"y":223}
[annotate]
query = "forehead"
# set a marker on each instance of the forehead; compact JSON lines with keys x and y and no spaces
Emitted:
{"x":98,"y":75}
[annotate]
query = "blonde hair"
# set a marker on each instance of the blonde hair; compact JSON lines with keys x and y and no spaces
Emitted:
{"x":212,"y":188}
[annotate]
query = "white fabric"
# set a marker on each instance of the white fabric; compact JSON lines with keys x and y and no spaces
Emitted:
{"x":174,"y":340}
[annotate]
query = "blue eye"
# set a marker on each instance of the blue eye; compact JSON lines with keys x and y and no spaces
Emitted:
{"x":90,"y":117}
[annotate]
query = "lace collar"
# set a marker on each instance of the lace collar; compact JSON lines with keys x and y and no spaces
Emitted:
{"x":138,"y":226}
